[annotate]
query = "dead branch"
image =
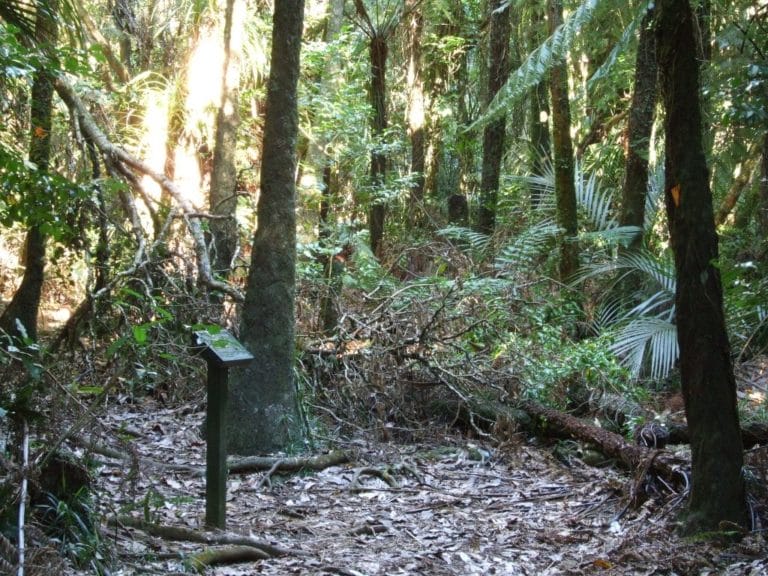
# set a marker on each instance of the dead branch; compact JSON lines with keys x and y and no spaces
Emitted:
{"x":180,"y":533}
{"x":378,"y":473}
{"x":293,"y":464}
{"x":116,"y":153}
{"x":665,"y":465}
{"x":222,"y":556}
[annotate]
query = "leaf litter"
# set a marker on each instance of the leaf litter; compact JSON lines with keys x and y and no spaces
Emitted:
{"x":517,"y":510}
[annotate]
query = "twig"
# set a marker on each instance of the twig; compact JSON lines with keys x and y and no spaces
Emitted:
{"x":267,"y":478}
{"x":23,"y":497}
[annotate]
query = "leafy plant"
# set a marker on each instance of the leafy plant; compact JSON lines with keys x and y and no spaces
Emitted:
{"x":72,"y":524}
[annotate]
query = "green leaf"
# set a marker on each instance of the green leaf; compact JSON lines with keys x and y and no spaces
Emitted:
{"x":140,"y":333}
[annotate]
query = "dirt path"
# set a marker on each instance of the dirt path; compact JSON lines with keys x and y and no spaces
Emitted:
{"x":450,"y":512}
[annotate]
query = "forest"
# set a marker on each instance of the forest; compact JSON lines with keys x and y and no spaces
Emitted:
{"x":360,"y":287}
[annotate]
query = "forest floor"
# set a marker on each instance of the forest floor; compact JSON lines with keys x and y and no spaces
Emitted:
{"x":451,"y":507}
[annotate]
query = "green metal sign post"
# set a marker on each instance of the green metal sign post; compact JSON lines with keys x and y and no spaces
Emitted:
{"x":220,"y":351}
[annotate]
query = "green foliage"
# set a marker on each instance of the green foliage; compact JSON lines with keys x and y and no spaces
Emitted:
{"x":33,"y":197}
{"x":523,"y":253}
{"x":538,"y":63}
{"x":73,"y":525}
{"x":551,"y":362}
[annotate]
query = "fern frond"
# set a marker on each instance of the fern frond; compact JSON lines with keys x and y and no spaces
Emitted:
{"x":538,"y":64}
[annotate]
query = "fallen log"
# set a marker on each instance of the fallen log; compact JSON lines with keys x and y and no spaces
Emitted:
{"x":672,"y":469}
{"x":289,"y":464}
{"x":180,"y":533}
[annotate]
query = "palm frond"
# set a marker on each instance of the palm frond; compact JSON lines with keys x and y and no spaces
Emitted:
{"x":621,"y":46}
{"x":20,"y":13}
{"x":523,"y":251}
{"x":654,"y":194}
{"x":541,"y":186}
{"x":616,"y":236}
{"x":595,"y":202}
{"x":656,"y":336}
{"x":538,"y":64}
{"x":475,"y":241}
{"x":660,"y":269}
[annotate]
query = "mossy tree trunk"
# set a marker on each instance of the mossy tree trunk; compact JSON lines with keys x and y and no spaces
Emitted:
{"x":565,"y":187}
{"x":493,"y":134}
{"x":641,"y":115}
{"x":25,"y":304}
{"x":708,"y":384}
{"x":223,"y":194}
{"x":262,"y":408}
{"x":416,"y":214}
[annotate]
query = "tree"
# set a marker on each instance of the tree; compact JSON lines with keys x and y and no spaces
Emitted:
{"x":641,"y":115}
{"x":25,"y":304}
{"x":493,"y":133}
{"x":263,"y":411}
{"x":223,"y":194}
{"x":708,"y":384}
{"x":378,"y":32}
{"x":416,"y":120}
{"x":565,"y":187}
{"x":540,"y":152}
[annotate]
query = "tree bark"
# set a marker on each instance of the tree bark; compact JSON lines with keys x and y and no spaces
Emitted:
{"x":708,"y":383}
{"x":641,"y":116}
{"x":262,"y":409}
{"x":493,"y":133}
{"x":378,"y":52}
{"x":565,"y":187}
{"x":20,"y":315}
{"x":416,"y":214}
{"x":762,"y":204}
{"x":740,"y":182}
{"x":540,"y":148}
{"x":223,"y":193}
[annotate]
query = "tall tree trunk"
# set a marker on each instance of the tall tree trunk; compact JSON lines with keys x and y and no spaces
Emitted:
{"x":540,"y":148}
{"x":223,"y":193}
{"x":709,"y":389}
{"x":321,"y":161}
{"x":416,"y":214}
{"x":762,"y":204}
{"x":25,"y":304}
{"x":493,"y":134}
{"x":565,"y":187}
{"x":641,"y":115}
{"x":263,"y":415}
{"x":378,"y":52}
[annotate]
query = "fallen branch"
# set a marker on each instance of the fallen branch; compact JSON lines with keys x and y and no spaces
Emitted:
{"x":293,"y":464}
{"x":233,"y":555}
{"x":235,"y":465}
{"x":663,"y":464}
{"x":180,"y":533}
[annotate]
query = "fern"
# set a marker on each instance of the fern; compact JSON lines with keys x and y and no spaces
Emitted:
{"x":538,"y":64}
